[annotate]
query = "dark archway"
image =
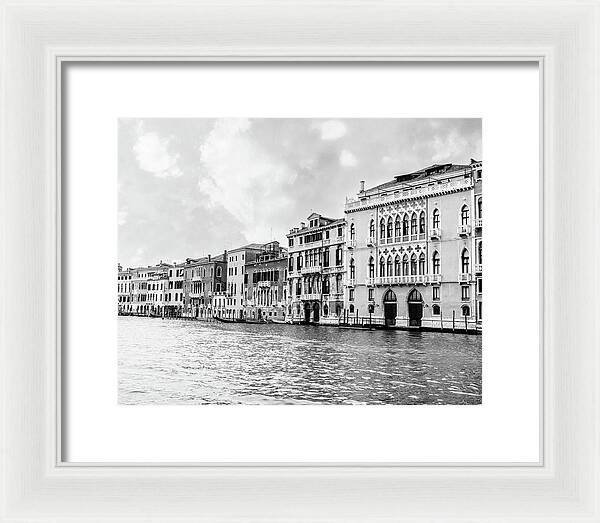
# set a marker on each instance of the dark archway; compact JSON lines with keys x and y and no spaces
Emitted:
{"x":415,"y":308}
{"x":307,"y":312}
{"x":315,"y":312}
{"x":390,"y":307}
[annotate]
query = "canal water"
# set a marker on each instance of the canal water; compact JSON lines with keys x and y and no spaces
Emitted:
{"x":178,"y":362}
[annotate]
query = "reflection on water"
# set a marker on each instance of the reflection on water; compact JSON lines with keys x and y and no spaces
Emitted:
{"x":192,"y":362}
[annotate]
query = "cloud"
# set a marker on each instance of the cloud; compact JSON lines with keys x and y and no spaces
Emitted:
{"x":450,"y":146}
{"x":386,"y":160}
{"x":240,"y":175}
{"x":347,"y":159}
{"x":331,"y":129}
{"x":152,"y":155}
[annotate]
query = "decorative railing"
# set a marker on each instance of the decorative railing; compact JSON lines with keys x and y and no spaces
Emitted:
{"x":351,"y":244}
{"x":351,"y":282}
{"x":463,"y":230}
{"x":435,"y":233}
{"x":479,"y":222}
{"x":370,"y":282}
{"x":309,"y":270}
{"x":464,"y":277}
{"x":311,"y":296}
{"x":265,"y":283}
{"x":478,"y":268}
{"x":336,"y":268}
{"x":370,"y":241}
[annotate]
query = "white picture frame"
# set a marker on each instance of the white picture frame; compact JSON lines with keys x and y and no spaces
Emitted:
{"x":39,"y":37}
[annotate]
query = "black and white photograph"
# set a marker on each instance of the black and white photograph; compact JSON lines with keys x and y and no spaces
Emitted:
{"x":325,"y":261}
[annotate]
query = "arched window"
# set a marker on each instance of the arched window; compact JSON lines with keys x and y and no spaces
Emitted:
{"x":381,"y":266}
{"x":422,"y":263}
{"x":465,"y":261}
{"x":479,"y":205}
{"x":405,"y":225}
{"x":372,"y":229}
{"x":390,"y":227}
{"x":397,"y":266}
{"x":405,"y":265}
{"x":413,"y":223}
{"x":422,"y":223}
{"x":351,"y":309}
{"x":466,"y":310}
{"x":435,"y":310}
{"x":326,"y":285}
{"x":382,"y":228}
{"x":352,"y":231}
{"x":371,"y":267}
{"x":436,"y":262}
{"x":464,"y":215}
{"x":352,"y":269}
{"x":398,"y":227}
{"x":480,"y":251}
{"x":413,"y":264}
{"x":389,"y":266}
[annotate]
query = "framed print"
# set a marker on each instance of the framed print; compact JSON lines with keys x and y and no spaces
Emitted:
{"x":299,"y":268}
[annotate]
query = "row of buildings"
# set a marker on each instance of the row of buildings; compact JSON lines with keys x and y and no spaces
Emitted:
{"x":407,"y":252}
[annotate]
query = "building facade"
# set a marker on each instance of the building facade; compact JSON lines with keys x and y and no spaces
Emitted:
{"x":265,"y":284}
{"x":316,"y":270}
{"x":414,"y":249}
{"x":236,"y":266}
{"x":204,"y":277}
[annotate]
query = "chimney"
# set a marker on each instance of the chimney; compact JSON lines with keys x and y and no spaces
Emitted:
{"x":362,"y":186}
{"x":209,"y":257}
{"x":302,"y":225}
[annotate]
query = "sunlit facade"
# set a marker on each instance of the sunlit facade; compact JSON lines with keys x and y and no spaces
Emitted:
{"x":414,"y":249}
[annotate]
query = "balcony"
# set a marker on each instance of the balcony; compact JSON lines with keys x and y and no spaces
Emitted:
{"x":478,"y":268}
{"x":464,"y":277}
{"x":478,"y":223}
{"x":310,"y":296}
{"x":435,"y":233}
{"x":351,"y":244}
{"x":464,"y":230}
{"x":435,"y":278}
{"x":337,"y":296}
{"x":310,"y":270}
{"x":264,"y":283}
{"x":370,"y":241}
{"x":326,"y":241}
{"x":336,"y":268}
{"x":351,"y":282}
{"x":370,"y":282}
{"x":294,"y":274}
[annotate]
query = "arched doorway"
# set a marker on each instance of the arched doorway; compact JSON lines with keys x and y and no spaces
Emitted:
{"x":390,"y":307}
{"x":315,"y":312}
{"x":307,"y":312}
{"x":415,"y":308}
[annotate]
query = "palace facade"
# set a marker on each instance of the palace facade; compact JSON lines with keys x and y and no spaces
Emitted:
{"x":204,"y":278}
{"x":236,"y":266}
{"x":316,"y":270}
{"x":414,"y":249}
{"x":265,"y":284}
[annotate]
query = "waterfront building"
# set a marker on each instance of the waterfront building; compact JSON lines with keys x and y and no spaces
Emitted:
{"x":219,"y":305}
{"x":265,"y":284}
{"x":204,"y":277}
{"x":236,"y":265}
{"x":144,"y":284}
{"x":414,"y":249}
{"x":316,"y":270}
{"x":174,"y":294}
{"x":124,"y":294}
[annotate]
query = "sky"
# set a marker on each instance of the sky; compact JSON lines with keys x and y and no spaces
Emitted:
{"x":189,"y":187}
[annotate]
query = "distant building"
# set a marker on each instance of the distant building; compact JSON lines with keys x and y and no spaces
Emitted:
{"x":265,"y":284}
{"x":124,"y":290}
{"x":174,"y":294}
{"x":316,"y":270}
{"x":414,"y":249}
{"x":204,"y":277}
{"x":236,"y":264}
{"x":142,"y":289}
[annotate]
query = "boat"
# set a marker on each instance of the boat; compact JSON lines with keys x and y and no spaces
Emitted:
{"x":228,"y":320}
